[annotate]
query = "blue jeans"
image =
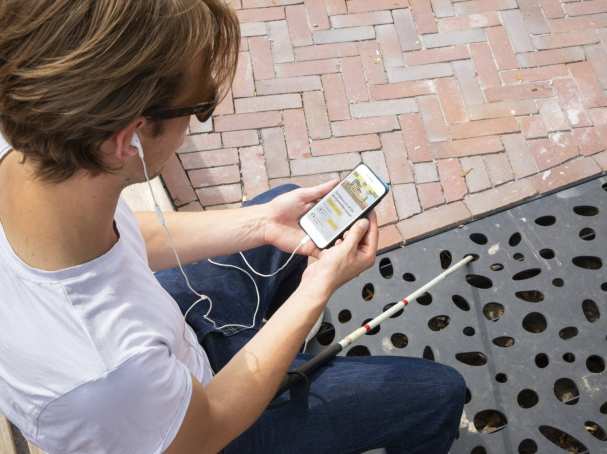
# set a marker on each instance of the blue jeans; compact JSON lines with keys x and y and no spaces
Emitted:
{"x":353,"y":404}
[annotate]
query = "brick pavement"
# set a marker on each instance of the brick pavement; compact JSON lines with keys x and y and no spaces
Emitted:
{"x":464,"y":106}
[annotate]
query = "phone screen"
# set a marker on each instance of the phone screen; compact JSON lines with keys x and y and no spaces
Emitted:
{"x":354,"y":195}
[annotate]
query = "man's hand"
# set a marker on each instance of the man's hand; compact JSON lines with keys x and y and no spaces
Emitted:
{"x":282,"y":229}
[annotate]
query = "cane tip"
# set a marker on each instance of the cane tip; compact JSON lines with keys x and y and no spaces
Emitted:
{"x":475,"y":257}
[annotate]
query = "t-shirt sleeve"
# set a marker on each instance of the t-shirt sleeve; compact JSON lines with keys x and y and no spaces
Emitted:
{"x":137,"y":407}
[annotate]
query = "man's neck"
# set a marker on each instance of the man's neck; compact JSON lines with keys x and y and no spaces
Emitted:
{"x":55,"y":226}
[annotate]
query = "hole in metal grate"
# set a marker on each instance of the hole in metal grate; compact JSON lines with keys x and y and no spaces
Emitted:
{"x":515,"y":239}
{"x":595,"y":430}
{"x":569,"y":357}
{"x":603,"y":408}
{"x":439,"y":322}
{"x":478,"y":450}
{"x":587,"y":234}
{"x":460,"y":302}
{"x":545,"y":221}
{"x":504,"y":341}
{"x":604,"y":286}
{"x":534,"y":322}
{"x":527,"y":446}
{"x":374,"y":330}
{"x":396,"y":314}
{"x":478,"y":238}
{"x":468,"y":396}
{"x":558,"y":282}
{"x":562,"y":439}
{"x":595,"y":364}
{"x":568,"y":332}
{"x":586,"y":210}
{"x":493,"y":311}
{"x":489,"y":421}
{"x":501,"y":378}
{"x":399,"y":340}
{"x":526,"y":274}
{"x":428,"y":353}
{"x":591,"y":310}
{"x":344,"y":316}
{"x":468,"y":331}
{"x":424,"y":299}
{"x":475,"y":257}
{"x":409,"y":277}
{"x":478,"y":281}
{"x":368,"y":292}
{"x":531,"y":296}
{"x":588,"y":262}
{"x":472,"y":358}
{"x":566,"y":391}
{"x":547,"y":254}
{"x":358,"y":350}
{"x":326,"y":333}
{"x":385,"y":268}
{"x":445,"y":259}
{"x":541,"y":360}
{"x":527,"y":398}
{"x":496,"y":267}
{"x":518,"y":257}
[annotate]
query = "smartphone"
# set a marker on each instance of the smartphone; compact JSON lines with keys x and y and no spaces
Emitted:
{"x":354,"y":197}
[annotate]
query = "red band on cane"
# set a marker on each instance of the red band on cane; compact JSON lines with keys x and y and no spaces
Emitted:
{"x":367,"y":327}
{"x":405,"y":302}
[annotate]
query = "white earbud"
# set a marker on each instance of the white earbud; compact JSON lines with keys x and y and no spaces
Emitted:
{"x":136,"y":142}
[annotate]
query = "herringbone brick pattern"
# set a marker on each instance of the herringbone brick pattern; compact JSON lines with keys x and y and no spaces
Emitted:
{"x":464,"y":106}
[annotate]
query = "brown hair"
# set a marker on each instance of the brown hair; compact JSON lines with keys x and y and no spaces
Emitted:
{"x":72,"y":73}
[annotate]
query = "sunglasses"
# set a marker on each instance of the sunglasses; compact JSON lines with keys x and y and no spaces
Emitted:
{"x":203,"y":112}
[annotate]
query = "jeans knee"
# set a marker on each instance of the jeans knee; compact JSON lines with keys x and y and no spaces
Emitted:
{"x":455,"y":393}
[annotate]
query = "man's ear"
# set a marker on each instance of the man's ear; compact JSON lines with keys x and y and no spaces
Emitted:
{"x":123,"y":150}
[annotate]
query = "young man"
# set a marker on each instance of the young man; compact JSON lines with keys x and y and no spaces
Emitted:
{"x":95,"y":354}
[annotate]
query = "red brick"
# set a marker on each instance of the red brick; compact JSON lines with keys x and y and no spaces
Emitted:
{"x":553,"y":116}
{"x":501,"y":47}
{"x":587,"y":7}
{"x":177,"y":182}
{"x":243,"y":80}
{"x":520,"y":24}
{"x":481,"y":6}
{"x":430,"y":195}
{"x":296,"y":133}
{"x":249,"y":29}
{"x":324,"y":51}
{"x":253,"y":168}
{"x":498,"y":168}
{"x":316,"y":115}
{"x":399,"y":90}
{"x":424,"y":18}
{"x":220,"y":194}
{"x":288,"y":85}
{"x":437,"y":55}
{"x":485,"y":65}
{"x":282,"y":50}
{"x":317,"y":14}
{"x":432,"y":116}
{"x":565,"y":174}
{"x":552,"y":8}
{"x":196,"y":127}
{"x":223,"y":206}
{"x":240,"y":138}
{"x":599,"y":116}
{"x":469,"y":147}
{"x":516,"y":76}
{"x":210,"y":158}
{"x":261,"y":57}
{"x":432,"y":220}
{"x":523,"y":91}
{"x":342,"y":35}
{"x":597,"y":56}
{"x":425,"y":172}
{"x":502,"y":109}
{"x":356,"y":20}
{"x":452,"y":180}
{"x":371,"y":59}
{"x":214,"y":176}
{"x":319,"y":164}
{"x":442,"y":8}
{"x":299,"y":29}
{"x":192,"y":206}
{"x":307,"y":68}
{"x":335,"y":7}
{"x":533,"y":127}
{"x":405,"y":28}
{"x":569,"y":99}
{"x":601,"y":160}
{"x":414,"y":136}
{"x":557,"y":40}
{"x":225,"y":107}
{"x":395,"y":155}
{"x":550,"y":152}
{"x":520,"y":158}
{"x":335,"y":94}
{"x":588,"y":140}
{"x":345,"y":144}
{"x":486,"y":19}
{"x":551,"y":57}
{"x":363,"y":6}
{"x":199,"y":142}
{"x":591,"y":92}
{"x":451,"y":100}
{"x":477,"y":178}
{"x":354,"y":79}
{"x":405,"y":199}
{"x":483,"y":128}
{"x":267,"y":103}
{"x":305,"y":180}
{"x":390,"y":45}
{"x":504,"y":196}
{"x":388,"y":236}
{"x":261,"y":14}
{"x":379,"y":108}
{"x":571,"y":24}
{"x":364,"y":126}
{"x":376,"y":161}
{"x":248,"y":121}
{"x":275,"y":151}
{"x":432,"y":71}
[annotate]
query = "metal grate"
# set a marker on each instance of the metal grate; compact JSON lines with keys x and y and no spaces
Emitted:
{"x":525,"y":324}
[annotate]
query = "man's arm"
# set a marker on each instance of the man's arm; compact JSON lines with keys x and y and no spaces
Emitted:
{"x":199,"y":235}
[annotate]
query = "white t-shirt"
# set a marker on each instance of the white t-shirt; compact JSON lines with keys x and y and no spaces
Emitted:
{"x":95,"y":358}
